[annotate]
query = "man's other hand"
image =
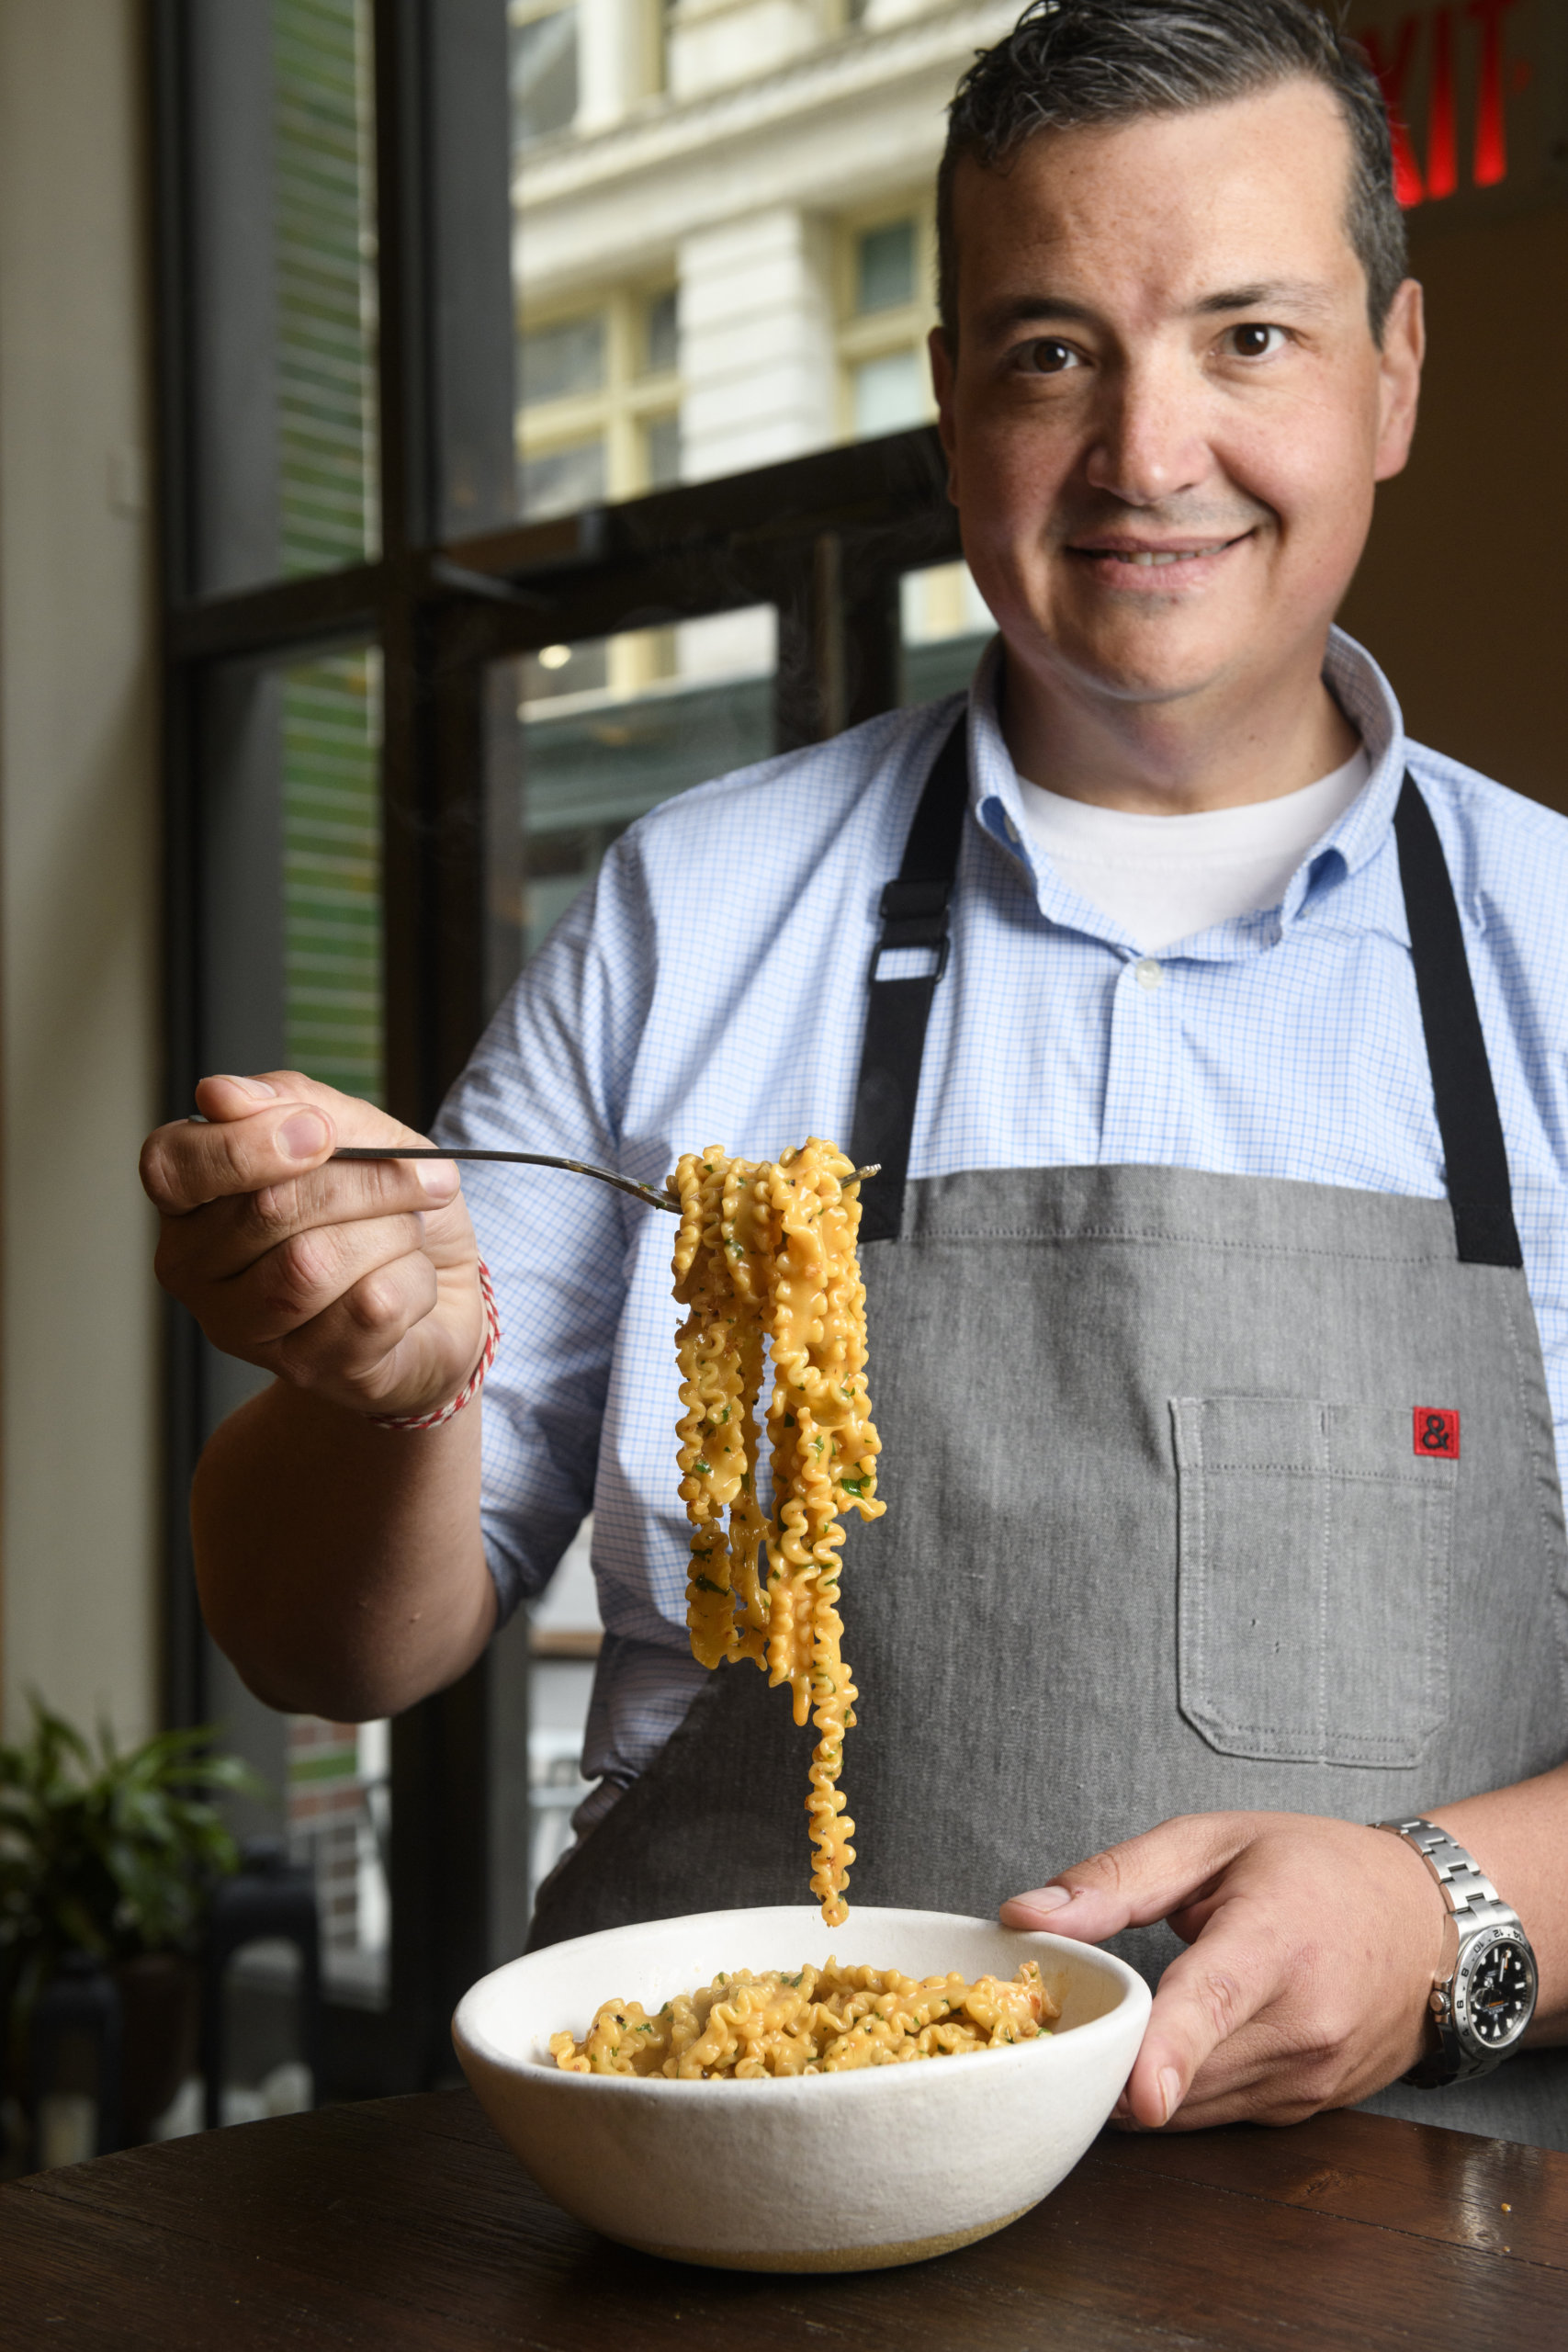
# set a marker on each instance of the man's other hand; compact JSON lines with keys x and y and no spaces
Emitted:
{"x":1313,"y":1946}
{"x":356,"y":1281}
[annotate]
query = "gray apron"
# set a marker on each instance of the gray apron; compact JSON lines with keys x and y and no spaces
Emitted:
{"x":1205,"y":1492}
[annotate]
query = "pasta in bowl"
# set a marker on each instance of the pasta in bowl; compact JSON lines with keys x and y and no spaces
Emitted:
{"x":845,"y":2170}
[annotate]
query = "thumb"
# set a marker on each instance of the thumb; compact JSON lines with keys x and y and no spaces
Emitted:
{"x":225,"y":1097}
{"x":1143,"y":1879}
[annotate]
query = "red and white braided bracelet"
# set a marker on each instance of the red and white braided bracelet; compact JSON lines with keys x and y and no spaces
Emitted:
{"x":470,"y":1387}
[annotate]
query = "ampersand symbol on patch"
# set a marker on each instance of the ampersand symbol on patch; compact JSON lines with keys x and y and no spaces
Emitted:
{"x":1435,"y":1434}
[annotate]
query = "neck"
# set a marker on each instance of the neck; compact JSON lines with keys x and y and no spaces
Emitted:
{"x":1215,"y":750}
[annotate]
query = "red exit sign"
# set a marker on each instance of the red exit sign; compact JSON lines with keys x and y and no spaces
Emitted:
{"x":1474,"y":91}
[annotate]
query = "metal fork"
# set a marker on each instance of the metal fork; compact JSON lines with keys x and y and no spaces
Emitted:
{"x":644,"y":1192}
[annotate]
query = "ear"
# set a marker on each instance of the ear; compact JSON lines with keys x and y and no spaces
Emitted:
{"x":943,"y":384}
{"x":1399,"y":379}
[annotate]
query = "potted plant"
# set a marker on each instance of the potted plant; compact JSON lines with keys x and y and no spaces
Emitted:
{"x":114,"y":1854}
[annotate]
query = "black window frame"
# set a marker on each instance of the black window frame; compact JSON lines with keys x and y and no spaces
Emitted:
{"x":824,"y":538}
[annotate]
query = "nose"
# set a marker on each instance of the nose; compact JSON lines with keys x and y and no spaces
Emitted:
{"x":1150,"y":443}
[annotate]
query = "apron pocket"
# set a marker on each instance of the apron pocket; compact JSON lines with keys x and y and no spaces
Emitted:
{"x":1313,"y":1580}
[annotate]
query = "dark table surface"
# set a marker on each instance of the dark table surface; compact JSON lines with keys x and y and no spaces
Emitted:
{"x":405,"y":2223}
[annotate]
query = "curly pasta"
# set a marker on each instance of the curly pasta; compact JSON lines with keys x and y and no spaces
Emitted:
{"x":766,"y":1251}
{"x":819,"y":2021}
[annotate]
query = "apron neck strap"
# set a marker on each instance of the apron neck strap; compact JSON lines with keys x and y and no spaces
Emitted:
{"x":914,"y":919}
{"x":914,"y":911}
{"x":1474,"y":1151}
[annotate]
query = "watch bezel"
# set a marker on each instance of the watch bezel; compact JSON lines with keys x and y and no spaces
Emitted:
{"x":1473,"y":1951}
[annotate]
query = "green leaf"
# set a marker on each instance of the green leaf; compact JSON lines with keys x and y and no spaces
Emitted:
{"x":112,"y":1851}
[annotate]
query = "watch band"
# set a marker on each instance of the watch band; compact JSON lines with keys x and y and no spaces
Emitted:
{"x":1474,"y":1905}
{"x":1468,"y":1892}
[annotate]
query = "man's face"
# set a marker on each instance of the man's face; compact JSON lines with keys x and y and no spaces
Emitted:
{"x":1163,"y":351}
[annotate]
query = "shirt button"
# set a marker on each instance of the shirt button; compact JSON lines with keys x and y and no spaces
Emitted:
{"x":1009,"y":828}
{"x":1150,"y":974}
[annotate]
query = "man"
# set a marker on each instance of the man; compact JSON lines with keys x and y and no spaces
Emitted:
{"x":1218,"y":1440}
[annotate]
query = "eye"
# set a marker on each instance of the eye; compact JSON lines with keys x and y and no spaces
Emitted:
{"x":1252,"y":341}
{"x":1049,"y":357}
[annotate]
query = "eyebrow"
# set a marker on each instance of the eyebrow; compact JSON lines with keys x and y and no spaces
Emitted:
{"x":1289,"y":293}
{"x":1292,"y":293}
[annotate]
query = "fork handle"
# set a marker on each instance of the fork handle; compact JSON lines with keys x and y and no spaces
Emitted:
{"x":644,"y":1192}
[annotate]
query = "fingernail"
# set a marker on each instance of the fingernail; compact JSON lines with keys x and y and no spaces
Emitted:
{"x":255,"y":1087}
{"x":302,"y":1136}
{"x":1046,"y":1898}
{"x":438,"y":1178}
{"x":1169,"y":2092}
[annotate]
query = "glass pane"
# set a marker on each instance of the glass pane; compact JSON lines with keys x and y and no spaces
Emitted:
{"x":663,"y":451}
{"x":564,"y":1639}
{"x":339,"y":1820}
{"x":889,"y":392}
{"x":558,"y":481}
{"x":544,"y":71}
{"x":325,"y":246}
{"x":564,"y":358}
{"x":663,"y":352}
{"x":600,"y":731}
{"x":292,"y":965}
{"x":945,"y":628}
{"x":282,"y":223}
{"x":775,"y":298}
{"x":884,"y":270}
{"x":332,"y":854}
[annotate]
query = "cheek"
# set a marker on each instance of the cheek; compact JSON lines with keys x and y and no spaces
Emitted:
{"x":1012,"y":468}
{"x":1011,"y":485}
{"x":1315,"y":478}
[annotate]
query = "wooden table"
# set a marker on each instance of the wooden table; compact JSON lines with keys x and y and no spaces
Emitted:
{"x":404,"y":2223}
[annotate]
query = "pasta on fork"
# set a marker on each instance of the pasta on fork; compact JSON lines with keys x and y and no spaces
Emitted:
{"x":766,"y":1254}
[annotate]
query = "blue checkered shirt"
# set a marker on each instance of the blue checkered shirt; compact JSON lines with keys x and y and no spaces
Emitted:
{"x":710,"y":988}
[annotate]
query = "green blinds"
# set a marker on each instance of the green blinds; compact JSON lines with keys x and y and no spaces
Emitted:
{"x":324,"y":259}
{"x":325,"y":263}
{"x":332,"y":879}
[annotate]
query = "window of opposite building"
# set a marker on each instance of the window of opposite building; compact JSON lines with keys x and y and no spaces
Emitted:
{"x":545,"y":68}
{"x":598,"y":402}
{"x":887,"y":275}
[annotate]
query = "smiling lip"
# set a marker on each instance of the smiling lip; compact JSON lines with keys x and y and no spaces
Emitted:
{"x":1142,"y":555}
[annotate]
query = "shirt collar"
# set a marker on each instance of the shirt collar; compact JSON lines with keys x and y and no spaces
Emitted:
{"x":1368,"y":701}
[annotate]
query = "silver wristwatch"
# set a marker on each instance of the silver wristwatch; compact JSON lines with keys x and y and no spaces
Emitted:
{"x":1483,"y":2003}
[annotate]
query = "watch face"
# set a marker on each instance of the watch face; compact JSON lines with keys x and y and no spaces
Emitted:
{"x":1497,"y":1993}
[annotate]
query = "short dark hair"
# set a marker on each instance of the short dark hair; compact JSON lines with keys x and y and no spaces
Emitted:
{"x":1068,"y":63}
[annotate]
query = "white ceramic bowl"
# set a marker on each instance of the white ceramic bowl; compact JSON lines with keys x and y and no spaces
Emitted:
{"x":823,"y":2172}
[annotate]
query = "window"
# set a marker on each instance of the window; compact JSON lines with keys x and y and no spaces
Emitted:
{"x":543,"y":69}
{"x":615,"y":725}
{"x":887,"y":275}
{"x":943,"y":627}
{"x":404,"y":726}
{"x":599,"y":405}
{"x":281,"y":257}
{"x":331,"y":870}
{"x":886,"y":267}
{"x":324,"y":259}
{"x":562,"y":360}
{"x":775,"y":170}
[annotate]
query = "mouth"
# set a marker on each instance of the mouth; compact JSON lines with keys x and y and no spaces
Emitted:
{"x":1146,"y":556}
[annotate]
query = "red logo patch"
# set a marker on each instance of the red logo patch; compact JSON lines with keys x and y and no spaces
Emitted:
{"x":1437,"y":1432}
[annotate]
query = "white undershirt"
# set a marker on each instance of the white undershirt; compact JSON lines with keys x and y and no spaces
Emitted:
{"x":1167,"y":877}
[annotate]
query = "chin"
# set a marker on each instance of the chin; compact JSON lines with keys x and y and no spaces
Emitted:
{"x":1137,"y":672}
